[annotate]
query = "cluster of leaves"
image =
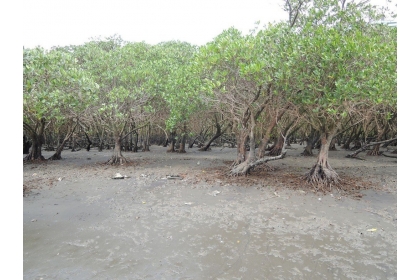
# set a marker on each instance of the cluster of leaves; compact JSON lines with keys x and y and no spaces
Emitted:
{"x":54,"y":86}
{"x":328,"y":60}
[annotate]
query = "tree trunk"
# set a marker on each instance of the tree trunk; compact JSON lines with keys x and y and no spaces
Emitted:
{"x":37,"y":141}
{"x":171,"y":148}
{"x":277,"y":148}
{"x":217,"y":135}
{"x":136,"y":140}
{"x":375,"y":151}
{"x":35,"y":152}
{"x":182,"y":144}
{"x":57,"y":154}
{"x":101,"y":142}
{"x":266,"y":138}
{"x":192,"y":143}
{"x":26,"y":145}
{"x":346,"y":144}
{"x":146,"y":147}
{"x":312,"y":139}
{"x":332,"y":145}
{"x":89,"y":142}
{"x":364,"y":147}
{"x":117,"y":157}
{"x":321,"y":174}
{"x":244,"y":167}
{"x":73,"y":145}
{"x":241,"y":139}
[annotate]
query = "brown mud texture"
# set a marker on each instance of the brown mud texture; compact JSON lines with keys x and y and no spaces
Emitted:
{"x":179,"y":216}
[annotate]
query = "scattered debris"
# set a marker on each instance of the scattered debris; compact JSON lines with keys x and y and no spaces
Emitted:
{"x":188,"y":203}
{"x":60,"y":179}
{"x":173,"y":177}
{"x":214,"y":193}
{"x":119,"y":176}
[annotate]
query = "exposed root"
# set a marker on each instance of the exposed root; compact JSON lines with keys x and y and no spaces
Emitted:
{"x":245,"y":167}
{"x":55,"y":157}
{"x":29,"y":158}
{"x":264,"y":167}
{"x":240,"y":169}
{"x":321,"y":178}
{"x":117,"y":160}
{"x":374,"y":152}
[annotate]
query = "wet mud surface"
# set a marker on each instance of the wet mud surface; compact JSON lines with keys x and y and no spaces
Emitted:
{"x":78,"y":223}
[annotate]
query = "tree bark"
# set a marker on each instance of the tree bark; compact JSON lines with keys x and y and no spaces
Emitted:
{"x":146,"y":147}
{"x":244,"y":167}
{"x":73,"y":145}
{"x":26,"y":145}
{"x":251,"y":161}
{"x":37,"y":137}
{"x":117,"y":157}
{"x":89,"y":142}
{"x":241,"y":139}
{"x":57,"y":154}
{"x":266,"y":138}
{"x":375,"y":150}
{"x":215,"y":136}
{"x":321,"y":174}
{"x":136,"y":140}
{"x":182,"y":144}
{"x":364,"y":147}
{"x":310,"y":143}
{"x":171,"y":148}
{"x":101,"y":142}
{"x":332,"y":145}
{"x":277,"y":148}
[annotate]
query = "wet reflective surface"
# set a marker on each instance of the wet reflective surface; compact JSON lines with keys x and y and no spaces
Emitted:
{"x":159,"y":229}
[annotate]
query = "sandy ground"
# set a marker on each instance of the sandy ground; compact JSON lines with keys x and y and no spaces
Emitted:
{"x":78,"y":223}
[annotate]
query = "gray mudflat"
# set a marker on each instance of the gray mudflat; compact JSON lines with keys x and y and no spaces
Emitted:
{"x":89,"y":226}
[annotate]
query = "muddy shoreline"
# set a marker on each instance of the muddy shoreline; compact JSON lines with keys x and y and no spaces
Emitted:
{"x":78,"y":223}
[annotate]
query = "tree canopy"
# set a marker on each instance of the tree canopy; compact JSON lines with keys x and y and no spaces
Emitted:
{"x":331,"y":64}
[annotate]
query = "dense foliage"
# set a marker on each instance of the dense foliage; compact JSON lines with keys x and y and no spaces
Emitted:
{"x":330,"y":67}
